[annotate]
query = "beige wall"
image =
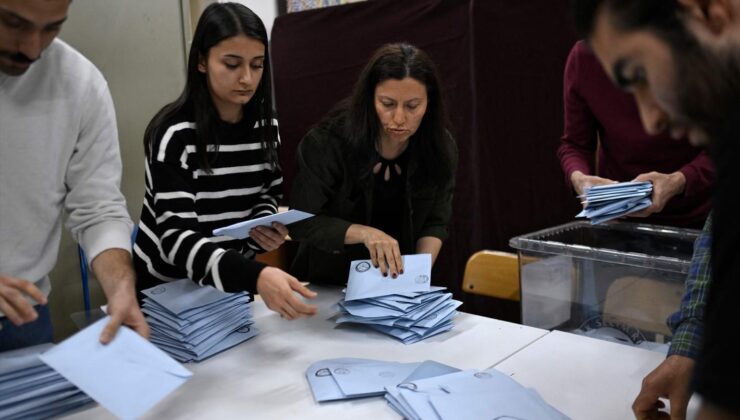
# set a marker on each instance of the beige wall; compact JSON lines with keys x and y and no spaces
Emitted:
{"x":139,"y":47}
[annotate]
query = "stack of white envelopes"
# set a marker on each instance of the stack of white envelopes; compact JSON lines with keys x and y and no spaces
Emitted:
{"x":407,"y":307}
{"x":31,"y":389}
{"x":468,"y":395}
{"x":192,"y":323}
{"x":349,"y":378}
{"x":607,"y":202}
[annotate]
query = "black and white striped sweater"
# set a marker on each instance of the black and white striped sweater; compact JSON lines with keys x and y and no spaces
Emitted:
{"x":183,"y":204}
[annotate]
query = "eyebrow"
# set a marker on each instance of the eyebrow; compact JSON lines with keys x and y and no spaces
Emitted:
{"x":394,"y":100}
{"x":28,"y":22}
{"x":59,"y":22}
{"x":237,"y":56}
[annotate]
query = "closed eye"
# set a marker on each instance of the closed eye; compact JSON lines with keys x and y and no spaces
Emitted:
{"x":627,"y":78}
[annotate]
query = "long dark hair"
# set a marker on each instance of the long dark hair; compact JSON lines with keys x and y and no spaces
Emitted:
{"x":432,"y":142}
{"x":218,"y":22}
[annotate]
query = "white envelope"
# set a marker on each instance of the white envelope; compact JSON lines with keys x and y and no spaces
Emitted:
{"x":322,"y":383}
{"x":127,"y":376}
{"x":241,"y":230}
{"x":364,"y":380}
{"x":366,"y":281}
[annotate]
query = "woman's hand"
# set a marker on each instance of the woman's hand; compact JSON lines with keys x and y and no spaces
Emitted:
{"x":269,"y":238}
{"x":276,"y":288}
{"x":384,"y":251}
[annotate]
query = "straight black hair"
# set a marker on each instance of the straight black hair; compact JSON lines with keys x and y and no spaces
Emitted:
{"x":218,"y":22}
{"x":431,"y":144}
{"x":661,"y":17}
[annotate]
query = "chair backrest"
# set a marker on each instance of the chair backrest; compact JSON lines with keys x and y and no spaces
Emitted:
{"x":493,"y":274}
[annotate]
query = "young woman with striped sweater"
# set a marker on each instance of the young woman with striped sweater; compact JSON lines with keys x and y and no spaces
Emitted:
{"x":211,"y":161}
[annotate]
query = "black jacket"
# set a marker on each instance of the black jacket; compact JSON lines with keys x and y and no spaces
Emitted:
{"x":327,"y":186}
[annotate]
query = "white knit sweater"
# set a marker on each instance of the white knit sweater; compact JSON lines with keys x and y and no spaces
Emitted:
{"x":58,"y":151}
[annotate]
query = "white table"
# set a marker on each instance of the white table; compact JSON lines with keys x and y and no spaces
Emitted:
{"x":583,"y":377}
{"x":264,"y":377}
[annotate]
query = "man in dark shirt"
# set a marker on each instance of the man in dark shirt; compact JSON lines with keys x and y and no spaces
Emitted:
{"x":694,"y":77}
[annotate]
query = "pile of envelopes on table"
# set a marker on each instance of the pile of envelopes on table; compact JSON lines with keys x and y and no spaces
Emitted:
{"x":31,"y":389}
{"x":407,"y":307}
{"x":192,"y":323}
{"x":607,"y":202}
{"x":469,"y":395}
{"x":428,"y":390}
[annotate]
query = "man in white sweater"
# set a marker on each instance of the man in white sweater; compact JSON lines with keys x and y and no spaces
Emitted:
{"x":58,"y":152}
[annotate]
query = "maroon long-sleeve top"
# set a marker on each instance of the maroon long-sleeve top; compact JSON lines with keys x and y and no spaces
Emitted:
{"x":597,"y":113}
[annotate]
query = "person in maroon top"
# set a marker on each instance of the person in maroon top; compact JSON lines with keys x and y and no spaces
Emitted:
{"x":604,"y":142}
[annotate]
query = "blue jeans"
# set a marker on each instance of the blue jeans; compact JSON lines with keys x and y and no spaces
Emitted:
{"x":37,"y":332}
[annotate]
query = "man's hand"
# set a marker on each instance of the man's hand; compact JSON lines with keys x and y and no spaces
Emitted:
{"x":276,"y":288}
{"x":114,"y":270}
{"x":669,"y":380}
{"x":582,"y":182}
{"x":665,"y":187}
{"x":13,"y":302}
{"x":124,"y":310}
{"x":269,"y":238}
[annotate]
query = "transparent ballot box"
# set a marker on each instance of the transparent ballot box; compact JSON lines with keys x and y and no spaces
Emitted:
{"x":616,"y":281}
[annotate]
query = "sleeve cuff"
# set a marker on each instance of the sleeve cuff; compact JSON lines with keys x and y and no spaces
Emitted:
{"x":103,"y":236}
{"x":439,"y":232}
{"x":239,"y":273}
{"x":687,"y":338}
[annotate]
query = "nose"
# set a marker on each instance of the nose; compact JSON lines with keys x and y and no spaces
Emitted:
{"x":399,"y":116}
{"x":30,"y":44}
{"x":654,"y":118}
{"x":246,"y":78}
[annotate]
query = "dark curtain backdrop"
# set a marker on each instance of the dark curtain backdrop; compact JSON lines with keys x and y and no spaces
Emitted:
{"x":501,"y":63}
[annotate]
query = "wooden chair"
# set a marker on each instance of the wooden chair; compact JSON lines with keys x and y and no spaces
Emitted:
{"x":493,"y":274}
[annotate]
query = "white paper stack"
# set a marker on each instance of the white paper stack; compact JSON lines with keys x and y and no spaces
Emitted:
{"x":612,"y":201}
{"x":407,"y":308}
{"x":192,"y":323}
{"x":31,"y":389}
{"x":468,"y":395}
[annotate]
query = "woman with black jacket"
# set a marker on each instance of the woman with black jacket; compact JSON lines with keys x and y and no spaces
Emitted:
{"x":378,"y":172}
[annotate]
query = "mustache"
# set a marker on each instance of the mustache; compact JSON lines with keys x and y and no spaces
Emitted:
{"x":17,"y":57}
